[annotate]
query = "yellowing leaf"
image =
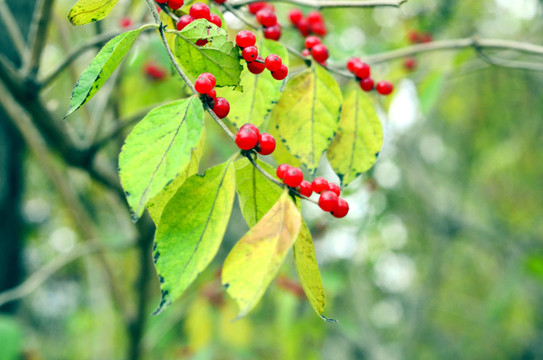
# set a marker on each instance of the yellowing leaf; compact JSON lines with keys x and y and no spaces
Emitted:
{"x":255,"y":259}
{"x":87,"y":11}
{"x":199,"y":325}
{"x":359,"y":137}
{"x":191,"y":229}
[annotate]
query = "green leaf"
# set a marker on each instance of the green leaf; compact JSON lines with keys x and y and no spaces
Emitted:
{"x":307,"y":115}
{"x":256,"y":194}
{"x":156,"y":205}
{"x":260,"y":92}
{"x":101,"y":68}
{"x":12,"y":339}
{"x":158,"y":149}
{"x":359,"y":138}
{"x":430,"y":90}
{"x":219,"y":56}
{"x":191,"y":229}
{"x":308,"y":271}
{"x":88,"y":11}
{"x":256,"y":258}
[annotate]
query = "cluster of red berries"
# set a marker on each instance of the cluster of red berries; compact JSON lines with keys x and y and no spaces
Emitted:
{"x":329,"y":199}
{"x":265,"y":15}
{"x":204,"y":85}
{"x":256,"y":64}
{"x":198,"y":11}
{"x":249,"y":138}
{"x":154,"y":71}
{"x":315,"y":48}
{"x":417,"y":37}
{"x":312,"y":24}
{"x":362,"y":71}
{"x":172,"y":4}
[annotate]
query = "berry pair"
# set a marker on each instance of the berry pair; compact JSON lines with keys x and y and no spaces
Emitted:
{"x":362,"y":71}
{"x":256,"y":64}
{"x":315,"y":48}
{"x":172,"y":4}
{"x":313,"y":24}
{"x":417,"y":37}
{"x":198,"y":11}
{"x":204,"y":85}
{"x":249,"y":138}
{"x":265,"y":15}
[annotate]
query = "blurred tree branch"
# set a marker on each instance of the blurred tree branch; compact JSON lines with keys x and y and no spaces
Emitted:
{"x":329,"y":3}
{"x":13,"y":29}
{"x":38,"y":35}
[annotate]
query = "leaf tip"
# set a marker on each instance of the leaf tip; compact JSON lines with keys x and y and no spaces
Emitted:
{"x":329,"y":320}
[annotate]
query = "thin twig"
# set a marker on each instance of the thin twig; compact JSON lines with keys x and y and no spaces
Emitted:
{"x":14,"y":32}
{"x":329,"y":3}
{"x":38,"y":34}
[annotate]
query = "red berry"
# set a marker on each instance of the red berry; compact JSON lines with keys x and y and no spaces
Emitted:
{"x":410,"y":63}
{"x":362,"y":70}
{"x":295,"y":15}
{"x":175,"y":4}
{"x":266,"y":17}
{"x":426,"y":38}
{"x":220,"y":1}
{"x":305,"y":188}
{"x":367,"y":84}
{"x":319,"y":52}
{"x":281,"y":170}
{"x":414,"y":36}
{"x":342,"y":208}
{"x":303,"y":26}
{"x":352,"y":63}
{"x":251,"y":127}
{"x":212,"y":94}
{"x":184,"y":21}
{"x":293,"y":177}
{"x":311,"y":41}
{"x":215,"y":19}
{"x":246,"y":139}
{"x":256,"y":67}
{"x":328,"y":201}
{"x":335,"y":188}
{"x":245,"y":38}
{"x":221,"y":107}
{"x":314,"y":17}
{"x":273,"y":32}
{"x":161,"y":2}
{"x":318,"y":28}
{"x":125,"y":22}
{"x":319,"y":185}
{"x":203,"y":85}
{"x":384,"y":87}
{"x":201,"y":42}
{"x":210,"y":76}
{"x":306,"y":52}
{"x":255,"y":7}
{"x":281,"y":73}
{"x":155,"y":72}
{"x":273,"y":62}
{"x":250,"y":53}
{"x":200,"y":11}
{"x":266,"y":143}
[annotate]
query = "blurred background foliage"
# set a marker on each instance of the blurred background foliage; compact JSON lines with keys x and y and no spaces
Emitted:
{"x":441,"y":256}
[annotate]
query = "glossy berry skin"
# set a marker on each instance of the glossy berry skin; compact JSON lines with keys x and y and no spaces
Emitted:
{"x":245,"y":38}
{"x":203,"y":85}
{"x":362,"y":70}
{"x":220,"y":1}
{"x":251,"y":127}
{"x":384,"y":87}
{"x":367,"y":84}
{"x":319,"y":52}
{"x":200,"y":11}
{"x":311,"y":41}
{"x":209,"y":76}
{"x":212,"y":94}
{"x":273,"y":32}
{"x":319,"y":185}
{"x":318,"y":28}
{"x":306,"y":52}
{"x":352,"y":63}
{"x":184,"y":21}
{"x":161,"y":1}
{"x":293,"y":177}
{"x":342,"y":208}
{"x":314,"y":17}
{"x":281,"y":73}
{"x":266,"y":17}
{"x":328,"y":201}
{"x":256,"y":7}
{"x":221,"y":107}
{"x":246,"y":139}
{"x":256,"y":67}
{"x":303,"y":27}
{"x":250,"y":53}
{"x":281,"y":170}
{"x":335,"y":188}
{"x":215,"y":19}
{"x":201,"y":42}
{"x":175,"y":4}
{"x":273,"y":62}
{"x":295,"y":15}
{"x":305,"y":188}
{"x":266,"y":144}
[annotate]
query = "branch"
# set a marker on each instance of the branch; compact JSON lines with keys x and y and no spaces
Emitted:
{"x":38,"y":34}
{"x":329,"y":3}
{"x":13,"y":29}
